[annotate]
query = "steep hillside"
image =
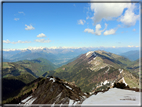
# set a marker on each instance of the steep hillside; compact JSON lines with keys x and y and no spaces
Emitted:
{"x":50,"y":90}
{"x":135,"y":67}
{"x":35,"y":67}
{"x":13,"y":69}
{"x":12,"y":84}
{"x":94,"y":70}
{"x":53,"y":91}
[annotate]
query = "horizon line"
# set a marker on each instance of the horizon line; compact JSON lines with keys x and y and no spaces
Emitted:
{"x":64,"y":47}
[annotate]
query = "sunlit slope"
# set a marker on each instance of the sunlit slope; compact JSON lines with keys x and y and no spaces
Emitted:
{"x":35,"y":67}
{"x":92,"y":69}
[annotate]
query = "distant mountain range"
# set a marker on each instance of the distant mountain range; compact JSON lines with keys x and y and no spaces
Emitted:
{"x":131,"y":55}
{"x":90,"y":72}
{"x":61,"y":57}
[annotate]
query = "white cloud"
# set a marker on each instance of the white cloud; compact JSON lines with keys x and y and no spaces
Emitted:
{"x":114,"y":11}
{"x":22,"y":13}
{"x":97,"y":31}
{"x":29,"y":27}
{"x":19,"y":41}
{"x":108,"y":12}
{"x":16,"y":19}
{"x":98,"y":27}
{"x":109,"y":32}
{"x":42,"y":40}
{"x":89,"y":31}
{"x":6,"y":41}
{"x":134,"y":29}
{"x":81,"y":22}
{"x":41,"y":35}
{"x":129,"y":18}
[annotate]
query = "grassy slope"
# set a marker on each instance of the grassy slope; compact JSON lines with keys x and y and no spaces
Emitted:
{"x":35,"y":67}
{"x":78,"y":71}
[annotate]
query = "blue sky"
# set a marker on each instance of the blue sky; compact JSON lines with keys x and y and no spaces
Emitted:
{"x":70,"y":25}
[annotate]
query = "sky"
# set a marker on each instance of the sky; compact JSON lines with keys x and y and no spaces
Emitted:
{"x":71,"y":25}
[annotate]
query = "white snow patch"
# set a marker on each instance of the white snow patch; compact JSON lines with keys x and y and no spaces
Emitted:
{"x":112,"y":84}
{"x":53,"y":105}
{"x":71,"y":102}
{"x":107,"y":70}
{"x":94,"y":58}
{"x":89,"y":53}
{"x":30,"y":101}
{"x":61,"y":104}
{"x":23,"y":101}
{"x":68,"y":87}
{"x":52,"y":79}
{"x":114,"y":96}
{"x":124,"y":81}
{"x":75,"y":102}
{"x":105,"y":82}
{"x":91,"y":93}
{"x":120,"y":70}
{"x":84,"y":97}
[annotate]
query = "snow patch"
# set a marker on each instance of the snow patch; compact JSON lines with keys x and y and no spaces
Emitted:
{"x":71,"y":102}
{"x":53,"y":105}
{"x":52,"y":79}
{"x":114,"y":96}
{"x":107,"y":70}
{"x":124,"y":81}
{"x":68,"y":87}
{"x":120,"y":70}
{"x":30,"y":101}
{"x":105,"y":82}
{"x":23,"y":101}
{"x":89,"y":53}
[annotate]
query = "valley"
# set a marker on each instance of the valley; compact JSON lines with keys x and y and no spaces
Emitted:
{"x":86,"y":73}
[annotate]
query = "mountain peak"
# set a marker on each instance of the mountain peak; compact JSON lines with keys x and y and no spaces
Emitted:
{"x":52,"y":90}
